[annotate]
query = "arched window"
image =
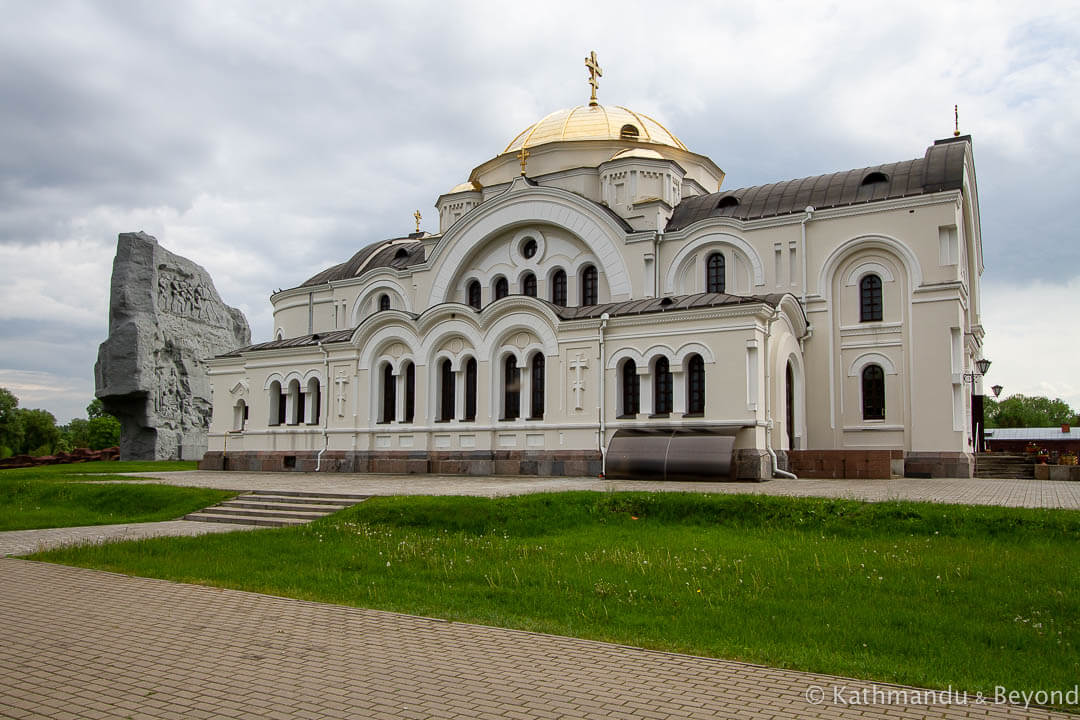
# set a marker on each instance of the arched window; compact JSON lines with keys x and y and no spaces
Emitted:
{"x":558,"y":288}
{"x":631,"y":389}
{"x":873,"y":393}
{"x":240,"y":415}
{"x":870,"y":294}
{"x":589,"y":285}
{"x":528,"y":285}
{"x":714,"y":273}
{"x":511,"y":389}
{"x":277,"y":405}
{"x":447,"y":391}
{"x":473,"y":293}
{"x":384,"y":302}
{"x":536,"y":403}
{"x":789,"y":409}
{"x":628,"y":132}
{"x":389,"y":394}
{"x":313,"y":401}
{"x":502,"y":288}
{"x":470,"y":389}
{"x":662,"y":388}
{"x":695,"y":385}
{"x":410,"y":392}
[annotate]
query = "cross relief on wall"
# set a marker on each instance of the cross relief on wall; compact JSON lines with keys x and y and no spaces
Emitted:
{"x":341,"y":381}
{"x":577,"y":367}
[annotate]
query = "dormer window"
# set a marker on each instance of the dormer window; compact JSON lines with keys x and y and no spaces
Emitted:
{"x":728,"y":201}
{"x":874,"y":178}
{"x":401,"y":253}
{"x":629,"y":132}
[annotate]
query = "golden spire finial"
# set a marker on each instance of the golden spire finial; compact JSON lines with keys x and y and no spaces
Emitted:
{"x":956,"y":115}
{"x":594,"y":72}
{"x":417,"y":216}
{"x":522,"y":157}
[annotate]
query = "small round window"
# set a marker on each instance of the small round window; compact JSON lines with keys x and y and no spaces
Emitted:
{"x":528,"y":249}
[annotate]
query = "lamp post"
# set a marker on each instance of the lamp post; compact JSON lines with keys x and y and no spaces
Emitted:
{"x":977,"y":424}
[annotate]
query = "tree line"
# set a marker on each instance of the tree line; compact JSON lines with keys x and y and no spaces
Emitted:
{"x":35,"y":432}
{"x":1028,"y":411}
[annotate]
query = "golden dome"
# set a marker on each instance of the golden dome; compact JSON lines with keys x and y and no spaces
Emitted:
{"x":594,"y":122}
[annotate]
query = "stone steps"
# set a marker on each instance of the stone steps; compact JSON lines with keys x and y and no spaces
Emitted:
{"x":276,"y":508}
{"x":1015,"y":467}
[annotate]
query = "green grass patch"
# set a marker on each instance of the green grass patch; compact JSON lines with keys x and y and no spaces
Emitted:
{"x":60,"y":496}
{"x":74,"y":472}
{"x":931,"y":595}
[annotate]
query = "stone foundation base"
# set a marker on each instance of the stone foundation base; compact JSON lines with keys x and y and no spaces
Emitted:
{"x":751,"y":464}
{"x":939,"y":464}
{"x":851,"y":464}
{"x":568,"y":463}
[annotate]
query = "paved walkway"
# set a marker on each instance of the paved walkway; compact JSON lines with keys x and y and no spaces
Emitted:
{"x":78,"y":643}
{"x":24,"y":542}
{"x":1009,"y":493}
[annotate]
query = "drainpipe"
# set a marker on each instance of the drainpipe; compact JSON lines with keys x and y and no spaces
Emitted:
{"x":326,"y":415}
{"x":776,"y":471}
{"x":603,"y":419}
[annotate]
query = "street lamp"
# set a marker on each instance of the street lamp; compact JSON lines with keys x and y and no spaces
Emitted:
{"x":997,"y":390}
{"x":977,"y":425}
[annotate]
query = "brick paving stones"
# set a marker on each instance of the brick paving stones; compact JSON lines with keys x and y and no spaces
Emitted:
{"x":78,"y":643}
{"x":24,"y":542}
{"x":974,"y":491}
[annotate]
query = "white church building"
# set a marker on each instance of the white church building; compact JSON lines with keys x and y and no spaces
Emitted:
{"x":596,"y":301}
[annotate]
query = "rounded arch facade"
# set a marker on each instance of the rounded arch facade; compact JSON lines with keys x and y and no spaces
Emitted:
{"x":516,"y":215}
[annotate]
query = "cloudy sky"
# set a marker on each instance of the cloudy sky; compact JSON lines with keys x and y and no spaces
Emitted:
{"x":268,"y":140}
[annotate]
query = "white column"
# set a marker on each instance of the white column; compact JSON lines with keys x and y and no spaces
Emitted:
{"x":678,"y":384}
{"x":290,"y":407}
{"x":309,"y":407}
{"x":525,"y":394}
{"x":645,"y":393}
{"x":459,"y":394}
{"x":399,"y":397}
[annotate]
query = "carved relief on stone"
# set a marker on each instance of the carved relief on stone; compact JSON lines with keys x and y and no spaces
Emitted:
{"x":182,"y":294}
{"x":578,"y":366}
{"x":165,"y":321}
{"x":340,"y":381}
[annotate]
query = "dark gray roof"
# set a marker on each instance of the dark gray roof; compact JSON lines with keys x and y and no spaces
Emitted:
{"x":941,"y":168}
{"x":388,"y":253}
{"x":619,"y":309}
{"x":395,"y":253}
{"x":665,"y":304}
{"x":303,"y":341}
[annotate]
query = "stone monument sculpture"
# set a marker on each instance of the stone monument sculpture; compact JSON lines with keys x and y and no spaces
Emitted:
{"x":166,"y":320}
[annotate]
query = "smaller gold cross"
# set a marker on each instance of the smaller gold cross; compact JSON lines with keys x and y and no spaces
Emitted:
{"x":594,"y":72}
{"x":956,"y":115}
{"x":522,"y":156}
{"x":417,"y":216}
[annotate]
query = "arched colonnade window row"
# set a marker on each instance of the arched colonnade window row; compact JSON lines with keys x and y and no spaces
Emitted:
{"x":656,"y":392}
{"x":295,"y":404}
{"x":589,"y":295}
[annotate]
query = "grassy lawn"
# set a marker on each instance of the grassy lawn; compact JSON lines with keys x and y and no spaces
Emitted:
{"x":60,"y":496}
{"x":930,"y":595}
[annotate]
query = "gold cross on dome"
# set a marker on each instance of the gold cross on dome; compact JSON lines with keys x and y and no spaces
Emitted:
{"x":594,"y":72}
{"x":417,"y":216}
{"x":522,"y":157}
